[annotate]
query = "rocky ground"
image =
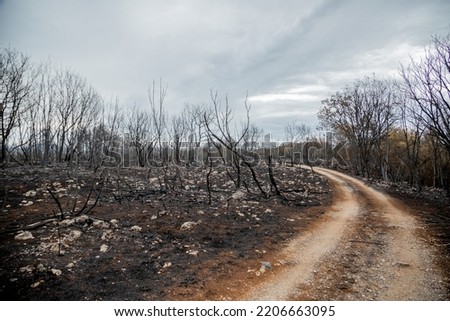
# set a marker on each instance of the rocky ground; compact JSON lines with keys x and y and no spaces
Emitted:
{"x":130,"y":234}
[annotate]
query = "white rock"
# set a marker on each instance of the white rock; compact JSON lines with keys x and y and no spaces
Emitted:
{"x":192,"y":252}
{"x":24,"y":235}
{"x":40,"y":267}
{"x":238,"y":195}
{"x":75,"y":234}
{"x":154,"y":217}
{"x":108,"y":234}
{"x":35,"y":285}
{"x":167,"y":265}
{"x":70,"y":265}
{"x":136,"y":228}
{"x":200,"y":212}
{"x":30,"y":193}
{"x":27,"y":269}
{"x":54,"y":247}
{"x":104,"y":248}
{"x":67,"y":222}
{"x":188,"y":225}
{"x":82,"y":219}
{"x":26,"y":203}
{"x":56,"y":272}
{"x":114,"y":222}
{"x":100,"y":224}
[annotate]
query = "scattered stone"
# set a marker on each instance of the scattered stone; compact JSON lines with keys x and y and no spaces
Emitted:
{"x":162,"y":213}
{"x":188,"y":225}
{"x":114,"y":223}
{"x":136,"y":228}
{"x":55,"y":248}
{"x":56,"y":272}
{"x":30,"y":193}
{"x":67,"y":222}
{"x":266,"y":265}
{"x":23,"y":236}
{"x":154,"y":217}
{"x":13,"y":279}
{"x":107,"y":235}
{"x":268,"y":210}
{"x":35,"y":285}
{"x":238,"y":195}
{"x":200,"y":212}
{"x":402,"y":264}
{"x":61,"y":190}
{"x":75,"y":234}
{"x":40,"y":267}
{"x":167,"y":265}
{"x":104,"y":248}
{"x":70,"y":265}
{"x":83,"y":219}
{"x":100,"y":224}
{"x":26,"y":203}
{"x":192,"y":252}
{"x":27,"y":269}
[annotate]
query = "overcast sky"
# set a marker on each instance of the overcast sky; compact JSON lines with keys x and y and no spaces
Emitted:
{"x":287,"y":54}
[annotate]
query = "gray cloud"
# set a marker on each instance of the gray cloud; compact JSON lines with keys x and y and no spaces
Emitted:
{"x":288,"y":55}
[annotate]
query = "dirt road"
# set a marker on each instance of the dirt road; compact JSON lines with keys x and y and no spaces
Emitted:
{"x":367,"y":246}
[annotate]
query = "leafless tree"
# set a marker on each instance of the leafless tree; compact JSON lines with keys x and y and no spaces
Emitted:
{"x":218,"y":124}
{"x":138,"y":125}
{"x":158,"y":114}
{"x":76,"y":107}
{"x":427,"y":83}
{"x":296,"y":132}
{"x":195,"y":127}
{"x":178,"y":133}
{"x":413,"y":131}
{"x":363,"y":114}
{"x":15,"y":86}
{"x":252,"y":138}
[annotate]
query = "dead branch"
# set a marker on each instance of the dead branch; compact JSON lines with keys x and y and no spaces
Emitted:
{"x":57,"y":202}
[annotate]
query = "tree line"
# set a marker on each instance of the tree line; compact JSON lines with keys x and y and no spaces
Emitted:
{"x":395,"y":129}
{"x":398,"y":129}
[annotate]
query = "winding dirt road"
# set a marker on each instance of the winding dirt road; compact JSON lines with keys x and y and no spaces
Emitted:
{"x":367,"y":246}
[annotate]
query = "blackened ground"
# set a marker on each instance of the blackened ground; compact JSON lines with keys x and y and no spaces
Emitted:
{"x":145,"y":254}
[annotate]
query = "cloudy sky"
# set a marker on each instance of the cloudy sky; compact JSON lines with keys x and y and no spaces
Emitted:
{"x":288,"y":55}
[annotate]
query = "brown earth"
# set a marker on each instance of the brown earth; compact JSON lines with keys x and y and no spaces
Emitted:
{"x":367,"y":246}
